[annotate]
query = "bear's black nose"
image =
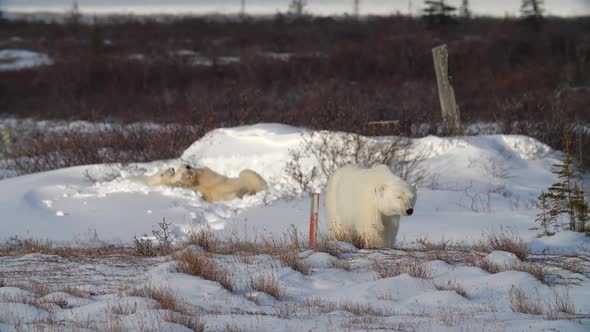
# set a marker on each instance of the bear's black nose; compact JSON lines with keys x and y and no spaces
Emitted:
{"x":187,"y":167}
{"x":409,"y":212}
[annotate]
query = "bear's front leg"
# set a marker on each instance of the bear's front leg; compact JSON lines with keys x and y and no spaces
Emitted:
{"x":390,"y":229}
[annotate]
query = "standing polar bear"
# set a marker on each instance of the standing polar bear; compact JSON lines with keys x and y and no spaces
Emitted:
{"x":368,"y":202}
{"x":213,"y":186}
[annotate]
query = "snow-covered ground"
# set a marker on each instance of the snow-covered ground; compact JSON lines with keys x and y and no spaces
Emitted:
{"x":21,"y":59}
{"x":474,"y":185}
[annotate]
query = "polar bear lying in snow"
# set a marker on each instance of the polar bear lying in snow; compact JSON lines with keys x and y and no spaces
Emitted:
{"x":213,"y":186}
{"x":368,"y":202}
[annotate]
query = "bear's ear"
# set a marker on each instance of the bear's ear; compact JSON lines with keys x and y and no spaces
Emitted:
{"x":380,"y":190}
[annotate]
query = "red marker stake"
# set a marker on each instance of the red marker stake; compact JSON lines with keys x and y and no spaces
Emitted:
{"x":313,"y":220}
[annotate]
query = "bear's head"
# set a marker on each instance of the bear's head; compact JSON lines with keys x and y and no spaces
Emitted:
{"x":394,"y":196}
{"x":169,"y":176}
{"x":187,"y":175}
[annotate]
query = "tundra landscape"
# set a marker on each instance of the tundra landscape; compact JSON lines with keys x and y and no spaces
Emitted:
{"x":105,"y":114}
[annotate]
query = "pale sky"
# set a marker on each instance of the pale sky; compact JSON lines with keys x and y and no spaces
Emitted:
{"x":317,"y":7}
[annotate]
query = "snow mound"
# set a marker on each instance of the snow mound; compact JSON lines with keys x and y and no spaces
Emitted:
{"x":526,"y":147}
{"x":11,"y":59}
{"x":263,"y":148}
{"x":504,"y":260}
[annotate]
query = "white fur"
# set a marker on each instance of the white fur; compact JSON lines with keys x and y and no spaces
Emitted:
{"x":369,"y":201}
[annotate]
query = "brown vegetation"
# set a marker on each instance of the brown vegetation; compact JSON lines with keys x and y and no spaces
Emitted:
{"x":350,"y":74}
{"x":410,"y":265}
{"x":198,"y":264}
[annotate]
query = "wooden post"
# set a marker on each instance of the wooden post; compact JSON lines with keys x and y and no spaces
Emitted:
{"x":313,"y":219}
{"x":446,"y":94}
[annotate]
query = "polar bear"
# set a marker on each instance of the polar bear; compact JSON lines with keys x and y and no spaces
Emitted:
{"x":213,"y":186}
{"x":368,"y":202}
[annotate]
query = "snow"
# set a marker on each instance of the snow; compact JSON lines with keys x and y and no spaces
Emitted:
{"x":474,"y":185}
{"x":22,"y":59}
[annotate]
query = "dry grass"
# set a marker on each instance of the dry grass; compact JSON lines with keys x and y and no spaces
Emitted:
{"x":324,"y":244}
{"x":560,"y":306}
{"x":285,"y":248}
{"x":17,"y":246}
{"x":509,"y":241}
{"x":267,"y":283}
{"x":452,"y":285}
{"x":484,"y":264}
{"x":570,"y":265}
{"x":428,"y":245}
{"x":290,"y":258}
{"x":359,"y":240}
{"x":202,"y":237}
{"x":361,"y":309}
{"x":519,"y":302}
{"x":537,"y":270}
{"x":200,"y":265}
{"x":164,"y":296}
{"x":38,"y":288}
{"x":75,"y":291}
{"x":562,"y":303}
{"x":409,"y":265}
{"x":41,"y":303}
{"x":124,"y":308}
{"x":341,"y":264}
{"x":193,"y":323}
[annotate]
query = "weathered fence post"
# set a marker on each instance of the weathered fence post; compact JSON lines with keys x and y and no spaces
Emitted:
{"x":313,"y":219}
{"x":446,"y":94}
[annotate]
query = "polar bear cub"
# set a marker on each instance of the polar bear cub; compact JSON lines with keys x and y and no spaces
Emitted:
{"x":213,"y":186}
{"x":368,"y":202}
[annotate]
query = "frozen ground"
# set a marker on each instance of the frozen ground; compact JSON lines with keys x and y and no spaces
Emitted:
{"x":474,"y":186}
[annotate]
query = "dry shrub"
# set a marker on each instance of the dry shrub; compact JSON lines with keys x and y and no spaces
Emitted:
{"x":409,"y":265}
{"x":143,"y":246}
{"x":40,"y":150}
{"x":329,"y":151}
{"x":519,"y":302}
{"x":509,"y":241}
{"x":162,"y":295}
{"x":198,"y":264}
{"x":267,"y":283}
{"x":452,"y":286}
{"x":193,"y":323}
